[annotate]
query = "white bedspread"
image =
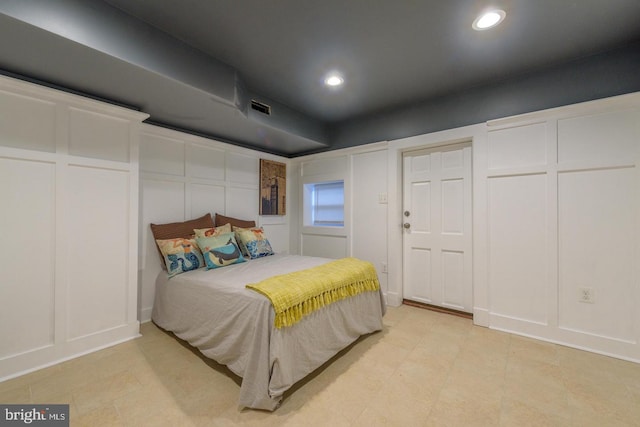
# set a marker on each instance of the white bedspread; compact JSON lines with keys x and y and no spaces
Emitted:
{"x":213,"y":311}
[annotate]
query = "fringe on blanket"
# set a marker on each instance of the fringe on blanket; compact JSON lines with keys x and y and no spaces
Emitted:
{"x":298,"y":294}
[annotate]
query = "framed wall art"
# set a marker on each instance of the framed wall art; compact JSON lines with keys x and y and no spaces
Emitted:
{"x":273,"y":187}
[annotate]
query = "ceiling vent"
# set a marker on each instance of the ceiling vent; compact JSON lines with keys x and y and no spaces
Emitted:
{"x":260,"y":107}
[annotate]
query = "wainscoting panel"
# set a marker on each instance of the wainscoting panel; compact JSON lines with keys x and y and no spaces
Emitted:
{"x":324,"y":246}
{"x":27,"y":255}
{"x":98,"y":136}
{"x":518,"y":247}
{"x":27,"y":123}
{"x":68,"y":261}
{"x":97,"y":250}
{"x":597,"y":240}
{"x":564,"y":236}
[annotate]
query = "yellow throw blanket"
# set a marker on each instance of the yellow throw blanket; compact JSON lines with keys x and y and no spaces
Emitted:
{"x":295,"y":295}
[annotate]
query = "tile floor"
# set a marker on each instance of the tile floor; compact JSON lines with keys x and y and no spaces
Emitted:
{"x":424,"y":369}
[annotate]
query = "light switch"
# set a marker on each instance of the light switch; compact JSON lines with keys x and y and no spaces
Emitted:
{"x":382,"y":198}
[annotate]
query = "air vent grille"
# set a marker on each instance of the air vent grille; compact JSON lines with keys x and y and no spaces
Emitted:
{"x":260,"y":107}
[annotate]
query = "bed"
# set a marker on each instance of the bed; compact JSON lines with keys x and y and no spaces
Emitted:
{"x":214,"y":311}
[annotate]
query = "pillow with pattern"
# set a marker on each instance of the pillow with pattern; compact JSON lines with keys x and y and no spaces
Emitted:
{"x":180,"y":255}
{"x":254,"y":241}
{"x":213,"y":231}
{"x":220,"y":251}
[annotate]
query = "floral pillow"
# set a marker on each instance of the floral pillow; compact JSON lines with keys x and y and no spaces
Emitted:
{"x":180,"y":255}
{"x":254,"y":241}
{"x":213,"y":231}
{"x":220,"y":251}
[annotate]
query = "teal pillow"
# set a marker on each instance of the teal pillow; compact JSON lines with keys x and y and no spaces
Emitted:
{"x":220,"y":251}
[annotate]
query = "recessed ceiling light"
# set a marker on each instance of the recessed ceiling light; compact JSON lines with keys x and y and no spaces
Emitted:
{"x":488,"y":20}
{"x":333,"y":80}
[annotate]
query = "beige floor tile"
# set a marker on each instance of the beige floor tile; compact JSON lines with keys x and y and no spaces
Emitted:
{"x":395,"y":315}
{"x":249,"y":417}
{"x":480,"y":359}
{"x":104,"y":416}
{"x":528,"y":348}
{"x":15,"y":395}
{"x":204,"y":405}
{"x":98,"y":393}
{"x":534,"y":372}
{"x":423,"y":369}
{"x":30,"y":378}
{"x":394,"y":405}
{"x":422,"y":381}
{"x":521,"y":414}
{"x":436,"y":342}
{"x":387,"y":354}
{"x":454,"y":408}
{"x":604,"y":397}
{"x":57,"y":388}
{"x":540,"y":395}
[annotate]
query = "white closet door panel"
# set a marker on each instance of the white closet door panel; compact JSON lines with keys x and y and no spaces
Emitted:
{"x":601,"y":138}
{"x":27,"y":123}
{"x":162,"y":155}
{"x":453,"y":278}
{"x":206,"y":162}
{"x":451,"y":160}
{"x":437,"y":227}
{"x":98,"y":249}
{"x":98,"y":136}
{"x":420,"y":208}
{"x":598,"y":231}
{"x":27,"y":255}
{"x":207,"y":199}
{"x":453,"y":206}
{"x":418,"y":282}
{"x":517,"y":147}
{"x":518,"y":247}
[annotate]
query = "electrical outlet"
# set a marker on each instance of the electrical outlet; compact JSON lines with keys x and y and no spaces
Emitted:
{"x":382,"y":198}
{"x":587,"y":295}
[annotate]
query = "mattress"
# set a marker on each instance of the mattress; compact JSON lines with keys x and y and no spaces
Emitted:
{"x":214,"y":312}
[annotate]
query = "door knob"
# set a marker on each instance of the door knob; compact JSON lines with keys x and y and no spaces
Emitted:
{"x":407,"y":213}
{"x":406,"y":225}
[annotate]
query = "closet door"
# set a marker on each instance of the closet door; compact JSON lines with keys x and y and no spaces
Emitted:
{"x":437,"y":227}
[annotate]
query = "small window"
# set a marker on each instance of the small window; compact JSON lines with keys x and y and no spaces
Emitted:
{"x":326,"y":203}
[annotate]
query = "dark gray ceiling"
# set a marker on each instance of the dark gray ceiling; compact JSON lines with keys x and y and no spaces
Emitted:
{"x":195,"y":64}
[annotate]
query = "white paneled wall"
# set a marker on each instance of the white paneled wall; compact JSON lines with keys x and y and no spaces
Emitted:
{"x":329,"y":242}
{"x":563,"y":203}
{"x":364,"y":235}
{"x":369,"y":210}
{"x":518,"y":241}
{"x":182,"y":177}
{"x":68,"y":222}
{"x":29,"y":222}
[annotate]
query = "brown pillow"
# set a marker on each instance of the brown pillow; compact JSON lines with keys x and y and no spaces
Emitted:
{"x":178,"y":229}
{"x":222,"y":220}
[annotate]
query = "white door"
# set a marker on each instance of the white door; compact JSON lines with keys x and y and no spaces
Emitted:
{"x":437,"y":263}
